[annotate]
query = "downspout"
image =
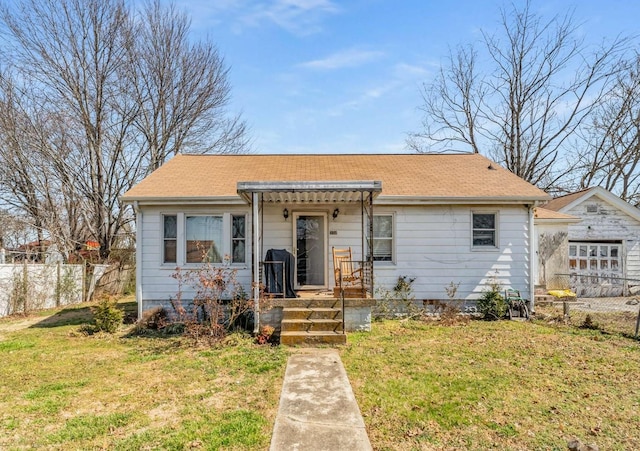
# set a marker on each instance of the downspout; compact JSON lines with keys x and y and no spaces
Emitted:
{"x":256,"y":261}
{"x":139,"y":216}
{"x":532,"y":259}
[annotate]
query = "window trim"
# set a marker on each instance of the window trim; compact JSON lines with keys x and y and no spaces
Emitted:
{"x":496,"y":231}
{"x":392,"y":238}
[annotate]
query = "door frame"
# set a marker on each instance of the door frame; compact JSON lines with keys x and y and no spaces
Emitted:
{"x":325,"y":256}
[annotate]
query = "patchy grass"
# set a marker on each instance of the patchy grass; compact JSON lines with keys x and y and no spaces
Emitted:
{"x":494,"y":385}
{"x":620,"y":322}
{"x":62,"y":389}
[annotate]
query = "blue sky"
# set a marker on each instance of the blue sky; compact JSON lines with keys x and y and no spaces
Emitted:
{"x":323,"y":76}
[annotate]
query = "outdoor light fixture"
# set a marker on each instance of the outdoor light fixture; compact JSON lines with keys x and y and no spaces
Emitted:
{"x":285,"y":213}
{"x":336,"y":212}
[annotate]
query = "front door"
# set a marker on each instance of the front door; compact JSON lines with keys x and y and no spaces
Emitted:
{"x":310,"y":249}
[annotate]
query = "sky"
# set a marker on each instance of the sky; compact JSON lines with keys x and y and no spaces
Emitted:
{"x":325,"y":76}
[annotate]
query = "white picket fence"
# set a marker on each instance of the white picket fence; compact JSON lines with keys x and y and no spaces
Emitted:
{"x":27,"y":287}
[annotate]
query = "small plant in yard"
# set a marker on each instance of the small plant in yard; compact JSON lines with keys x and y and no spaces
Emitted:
{"x":492,"y":304}
{"x":397,"y":302}
{"x":588,"y":323}
{"x":450,"y":315}
{"x":107,"y":317}
{"x":266,"y":335}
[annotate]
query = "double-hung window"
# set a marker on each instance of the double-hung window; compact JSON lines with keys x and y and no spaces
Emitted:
{"x":170,"y":238}
{"x":204,"y":239}
{"x":238,"y":238}
{"x":383,"y":238}
{"x":484,"y":229}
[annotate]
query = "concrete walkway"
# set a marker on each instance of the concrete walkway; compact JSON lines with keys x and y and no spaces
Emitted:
{"x":317,"y":408}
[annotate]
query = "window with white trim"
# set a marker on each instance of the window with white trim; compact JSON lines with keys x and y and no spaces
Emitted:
{"x":170,"y":238}
{"x":204,"y":239}
{"x":383,"y":238}
{"x":484,"y":229}
{"x":238,"y":238}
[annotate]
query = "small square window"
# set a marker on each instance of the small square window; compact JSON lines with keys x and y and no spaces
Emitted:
{"x":484,"y":230}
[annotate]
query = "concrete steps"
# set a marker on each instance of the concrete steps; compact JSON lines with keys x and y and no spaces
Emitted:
{"x":312,"y":322}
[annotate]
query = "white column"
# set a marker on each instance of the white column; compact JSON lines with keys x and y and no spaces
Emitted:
{"x":256,"y":260}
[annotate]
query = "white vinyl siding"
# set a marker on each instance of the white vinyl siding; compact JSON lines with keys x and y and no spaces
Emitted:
{"x":430,"y":243}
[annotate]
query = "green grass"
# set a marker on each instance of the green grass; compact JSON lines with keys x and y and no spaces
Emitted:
{"x":482,"y":385}
{"x":494,"y":385}
{"x":62,"y":389}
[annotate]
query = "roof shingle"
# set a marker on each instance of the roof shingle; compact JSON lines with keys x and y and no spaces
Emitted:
{"x":411,"y":175}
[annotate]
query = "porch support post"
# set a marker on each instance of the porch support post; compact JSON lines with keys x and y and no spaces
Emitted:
{"x":371,"y":238}
{"x":256,"y":246}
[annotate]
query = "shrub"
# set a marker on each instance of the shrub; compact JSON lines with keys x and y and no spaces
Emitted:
{"x":398,"y":302}
{"x":219,"y":303}
{"x":106,"y":316}
{"x":492,"y":305}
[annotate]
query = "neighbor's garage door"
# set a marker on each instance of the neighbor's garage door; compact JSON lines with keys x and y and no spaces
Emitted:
{"x":596,"y":268}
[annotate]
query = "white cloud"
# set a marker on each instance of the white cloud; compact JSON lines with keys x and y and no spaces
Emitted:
{"x":299,"y":17}
{"x":345,"y":58}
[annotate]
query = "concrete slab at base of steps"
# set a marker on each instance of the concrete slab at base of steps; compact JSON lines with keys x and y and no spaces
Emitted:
{"x":318,"y":410}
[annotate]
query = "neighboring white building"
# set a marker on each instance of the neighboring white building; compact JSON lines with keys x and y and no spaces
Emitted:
{"x":603,"y":248}
{"x":552,"y":248}
{"x":436,"y":218}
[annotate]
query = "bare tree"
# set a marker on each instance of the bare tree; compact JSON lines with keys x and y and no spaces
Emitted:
{"x":609,"y":150}
{"x":181,"y":90}
{"x":539,"y":84}
{"x":100,"y":97}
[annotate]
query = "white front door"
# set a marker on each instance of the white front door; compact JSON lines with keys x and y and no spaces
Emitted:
{"x":310,"y":249}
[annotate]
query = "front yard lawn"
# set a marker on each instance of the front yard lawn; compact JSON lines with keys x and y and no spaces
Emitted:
{"x":494,"y":385}
{"x":481,"y":385}
{"x":63,"y":390}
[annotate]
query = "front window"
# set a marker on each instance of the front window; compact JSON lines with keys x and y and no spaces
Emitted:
{"x":204,"y":239}
{"x":238,"y":239}
{"x":484,"y":230}
{"x":383,"y":238}
{"x":170,"y":225}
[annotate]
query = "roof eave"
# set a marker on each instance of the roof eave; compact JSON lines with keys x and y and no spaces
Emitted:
{"x":192,"y":200}
{"x":429,"y":200}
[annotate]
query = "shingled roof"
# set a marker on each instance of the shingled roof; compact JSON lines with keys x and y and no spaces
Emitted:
{"x":420,"y":176}
{"x":559,"y":203}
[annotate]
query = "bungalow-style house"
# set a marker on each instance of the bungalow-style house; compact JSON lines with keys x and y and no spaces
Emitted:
{"x":603,"y":246}
{"x":438,"y":219}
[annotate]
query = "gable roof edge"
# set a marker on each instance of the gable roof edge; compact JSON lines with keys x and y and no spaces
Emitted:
{"x":606,"y":196}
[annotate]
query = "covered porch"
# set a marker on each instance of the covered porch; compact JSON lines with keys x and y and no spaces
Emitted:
{"x":296,"y":227}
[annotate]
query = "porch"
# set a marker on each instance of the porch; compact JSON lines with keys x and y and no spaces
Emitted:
{"x":295,"y":227}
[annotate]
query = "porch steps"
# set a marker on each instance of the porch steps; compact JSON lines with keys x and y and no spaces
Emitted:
{"x":312,"y":322}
